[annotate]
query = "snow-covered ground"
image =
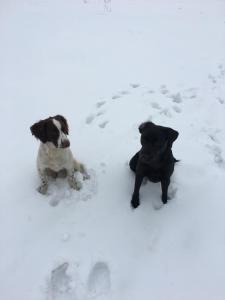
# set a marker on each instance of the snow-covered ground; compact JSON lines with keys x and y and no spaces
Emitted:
{"x":107,"y":66}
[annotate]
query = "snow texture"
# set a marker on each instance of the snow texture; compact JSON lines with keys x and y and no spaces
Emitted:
{"x":107,"y":66}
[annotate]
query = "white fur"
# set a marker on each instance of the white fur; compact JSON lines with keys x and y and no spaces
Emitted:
{"x":62,"y":135}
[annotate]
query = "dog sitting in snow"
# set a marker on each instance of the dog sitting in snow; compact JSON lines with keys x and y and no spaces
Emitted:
{"x":155,"y":160}
{"x":55,"y":158}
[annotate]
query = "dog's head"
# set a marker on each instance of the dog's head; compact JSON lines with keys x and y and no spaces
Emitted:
{"x":155,"y":141}
{"x":52,"y":130}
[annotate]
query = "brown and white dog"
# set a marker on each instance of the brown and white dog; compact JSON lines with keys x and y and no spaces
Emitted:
{"x":55,"y":158}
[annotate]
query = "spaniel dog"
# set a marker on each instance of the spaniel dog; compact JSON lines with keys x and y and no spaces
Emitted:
{"x":55,"y":158}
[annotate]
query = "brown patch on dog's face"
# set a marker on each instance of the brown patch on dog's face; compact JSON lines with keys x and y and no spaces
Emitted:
{"x":39,"y":130}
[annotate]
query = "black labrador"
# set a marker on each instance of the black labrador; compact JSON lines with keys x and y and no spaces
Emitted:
{"x":155,"y":159}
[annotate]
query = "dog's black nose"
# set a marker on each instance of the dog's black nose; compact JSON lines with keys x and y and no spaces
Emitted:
{"x":65,"y":144}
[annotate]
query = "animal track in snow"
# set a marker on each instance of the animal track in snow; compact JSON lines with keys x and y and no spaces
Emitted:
{"x":221,"y":70}
{"x":134,"y":85}
{"x":90,"y":118}
{"x":176,"y":98}
{"x":124,"y":92}
{"x":176,"y":108}
{"x":150,"y":91}
{"x":190,"y":93}
{"x":116,"y":97}
{"x":103,"y":124}
{"x":100,"y":104}
{"x":166,"y":112}
{"x":98,"y":113}
{"x":163,"y":89}
{"x":221,"y":101}
{"x":155,"y":105}
{"x":217,"y":154}
{"x":103,"y":167}
{"x":99,"y":281}
{"x":212,"y":78}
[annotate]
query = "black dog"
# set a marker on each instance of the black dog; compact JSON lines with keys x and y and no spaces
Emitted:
{"x":155,"y":159}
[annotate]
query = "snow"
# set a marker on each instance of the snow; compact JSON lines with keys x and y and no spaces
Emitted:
{"x":107,"y":66}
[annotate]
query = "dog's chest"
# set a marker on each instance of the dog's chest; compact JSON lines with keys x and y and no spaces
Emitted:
{"x":55,"y":160}
{"x":153,"y":174}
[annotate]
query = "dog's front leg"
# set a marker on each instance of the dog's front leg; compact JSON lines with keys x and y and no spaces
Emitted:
{"x":165,"y":184}
{"x":82,"y":169}
{"x":73,"y":183}
{"x":135,"y":198}
{"x":44,"y":182}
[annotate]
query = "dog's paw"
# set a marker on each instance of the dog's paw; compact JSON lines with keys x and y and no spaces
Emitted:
{"x":86,"y":176}
{"x":76,"y":185}
{"x":164,"y":199}
{"x":42,"y":189}
{"x":135,"y":202}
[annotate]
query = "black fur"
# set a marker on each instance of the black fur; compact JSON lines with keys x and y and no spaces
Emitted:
{"x":155,"y":159}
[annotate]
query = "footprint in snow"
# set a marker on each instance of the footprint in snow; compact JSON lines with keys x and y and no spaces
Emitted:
{"x":176,"y":98}
{"x":221,"y":101}
{"x":124,"y":92}
{"x":190,"y":93}
{"x":177,"y":109}
{"x":103,"y":167}
{"x":166,"y":112}
{"x":134,"y":85}
{"x":98,"y":113}
{"x":212,"y":78}
{"x":116,"y":97}
{"x":90,"y":118}
{"x":100,"y":104}
{"x":163,"y":89}
{"x":99,"y":281}
{"x":150,"y":91}
{"x":60,"y":284}
{"x":155,"y":105}
{"x":221,"y":70}
{"x":103,"y":124}
{"x":217,"y":155}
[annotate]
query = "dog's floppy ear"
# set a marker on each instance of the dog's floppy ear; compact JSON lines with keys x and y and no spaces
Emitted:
{"x":63,"y":122}
{"x":171,"y":135}
{"x":39,"y":131}
{"x":144,"y":126}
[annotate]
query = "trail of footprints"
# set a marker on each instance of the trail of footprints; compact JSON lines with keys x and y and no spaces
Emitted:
{"x":218,"y":80}
{"x":100,"y":111}
{"x":98,"y":116}
{"x":215,"y":149}
{"x":161,"y":106}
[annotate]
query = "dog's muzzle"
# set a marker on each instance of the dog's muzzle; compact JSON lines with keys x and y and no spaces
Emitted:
{"x":65,"y":143}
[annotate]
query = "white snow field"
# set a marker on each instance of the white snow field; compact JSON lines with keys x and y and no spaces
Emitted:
{"x":107,"y":66}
